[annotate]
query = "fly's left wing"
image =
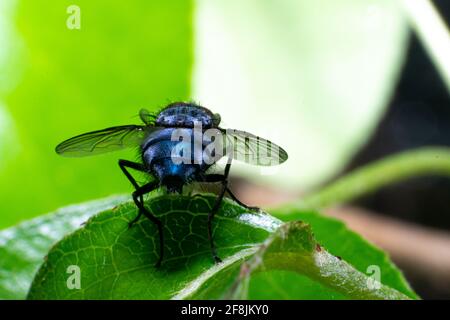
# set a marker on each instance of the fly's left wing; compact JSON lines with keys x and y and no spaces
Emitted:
{"x":247,"y":147}
{"x":102,"y":141}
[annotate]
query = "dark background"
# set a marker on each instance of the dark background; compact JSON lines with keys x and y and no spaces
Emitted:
{"x":418,"y":115}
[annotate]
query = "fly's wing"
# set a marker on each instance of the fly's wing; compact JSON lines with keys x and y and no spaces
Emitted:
{"x":102,"y":141}
{"x":246,"y":147}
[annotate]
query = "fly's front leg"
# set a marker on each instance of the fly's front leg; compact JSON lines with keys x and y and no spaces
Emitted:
{"x":124,"y":164}
{"x":137,"y":195}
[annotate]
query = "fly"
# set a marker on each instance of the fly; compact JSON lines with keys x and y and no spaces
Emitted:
{"x":177,"y":146}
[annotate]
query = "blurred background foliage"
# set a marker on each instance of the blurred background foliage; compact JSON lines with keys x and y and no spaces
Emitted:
{"x":57,"y":82}
{"x":313,"y":76}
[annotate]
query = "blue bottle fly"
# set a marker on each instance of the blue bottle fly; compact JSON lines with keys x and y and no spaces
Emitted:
{"x":178,"y":146}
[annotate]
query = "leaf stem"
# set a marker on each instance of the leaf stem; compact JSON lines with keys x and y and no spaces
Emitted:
{"x":392,"y":169}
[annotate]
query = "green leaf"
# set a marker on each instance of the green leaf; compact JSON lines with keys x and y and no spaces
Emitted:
{"x":294,"y":248}
{"x":292,"y":264}
{"x":23,"y":247}
{"x":117,"y":262}
{"x":332,"y":234}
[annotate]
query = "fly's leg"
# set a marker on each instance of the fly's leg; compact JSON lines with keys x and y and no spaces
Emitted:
{"x":241,"y":203}
{"x":137,"y":195}
{"x":221,"y":178}
{"x":224,"y":180}
{"x":124,"y":164}
{"x":211,"y":215}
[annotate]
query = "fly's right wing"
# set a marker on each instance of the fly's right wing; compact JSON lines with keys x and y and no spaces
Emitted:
{"x":102,"y":141}
{"x":247,"y":147}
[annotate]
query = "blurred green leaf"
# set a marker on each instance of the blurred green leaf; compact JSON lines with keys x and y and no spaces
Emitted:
{"x":117,"y":262}
{"x":57,"y":82}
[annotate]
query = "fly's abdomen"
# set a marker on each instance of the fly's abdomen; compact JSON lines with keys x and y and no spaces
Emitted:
{"x":172,"y":154}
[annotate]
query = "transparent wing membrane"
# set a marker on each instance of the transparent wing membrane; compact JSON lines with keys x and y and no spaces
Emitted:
{"x":102,"y":141}
{"x":247,"y":147}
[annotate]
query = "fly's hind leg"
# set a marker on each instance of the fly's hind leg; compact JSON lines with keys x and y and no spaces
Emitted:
{"x":224,"y":180}
{"x":221,"y":178}
{"x":211,"y":215}
{"x":240,"y":202}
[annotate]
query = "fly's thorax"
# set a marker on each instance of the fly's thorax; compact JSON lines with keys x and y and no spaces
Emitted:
{"x":182,"y":114}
